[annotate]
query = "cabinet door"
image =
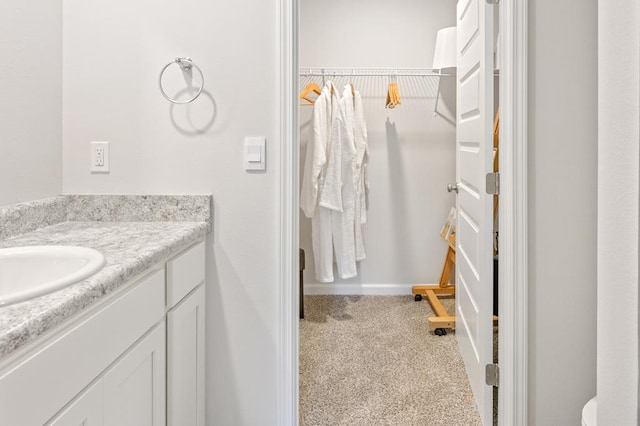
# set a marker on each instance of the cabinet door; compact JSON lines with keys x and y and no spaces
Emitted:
{"x":185,"y":359}
{"x":86,"y":410}
{"x":134,"y":388}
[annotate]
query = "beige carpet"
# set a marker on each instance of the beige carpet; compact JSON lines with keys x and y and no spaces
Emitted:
{"x":371,"y":360}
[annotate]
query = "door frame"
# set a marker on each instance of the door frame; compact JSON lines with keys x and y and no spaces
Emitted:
{"x":513,"y":213}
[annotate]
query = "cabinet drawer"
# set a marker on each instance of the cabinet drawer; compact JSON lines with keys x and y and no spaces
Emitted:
{"x":184,"y":273}
{"x":48,"y":379}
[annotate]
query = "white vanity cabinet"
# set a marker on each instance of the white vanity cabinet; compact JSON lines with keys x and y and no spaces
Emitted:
{"x":135,"y":359}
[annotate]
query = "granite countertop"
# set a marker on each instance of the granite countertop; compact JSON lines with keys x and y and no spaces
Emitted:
{"x":130,"y":248}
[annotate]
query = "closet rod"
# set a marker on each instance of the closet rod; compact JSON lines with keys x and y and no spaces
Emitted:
{"x":373,"y":72}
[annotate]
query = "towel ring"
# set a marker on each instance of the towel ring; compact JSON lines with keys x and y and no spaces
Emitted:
{"x":186,"y":64}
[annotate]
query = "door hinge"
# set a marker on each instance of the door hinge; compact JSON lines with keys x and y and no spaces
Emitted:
{"x":492,"y":376}
{"x":493,"y":183}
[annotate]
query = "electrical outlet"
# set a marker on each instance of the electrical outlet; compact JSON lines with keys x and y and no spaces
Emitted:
{"x":100,"y":157}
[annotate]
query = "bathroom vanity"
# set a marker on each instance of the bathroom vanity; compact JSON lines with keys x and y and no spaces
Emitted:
{"x":125,"y":346}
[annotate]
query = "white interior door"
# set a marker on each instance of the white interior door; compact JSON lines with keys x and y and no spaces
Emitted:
{"x":474,"y":155}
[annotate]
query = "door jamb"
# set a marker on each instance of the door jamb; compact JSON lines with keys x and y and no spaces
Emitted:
{"x":287,"y":356}
{"x":513,"y":213}
{"x":512,"y":268}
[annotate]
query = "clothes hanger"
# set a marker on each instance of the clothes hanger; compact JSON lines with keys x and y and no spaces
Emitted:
{"x":394,"y":88}
{"x":308,"y":90}
{"x":393,"y":96}
{"x":393,"y":93}
{"x":397,"y":94}
{"x":389,"y":101}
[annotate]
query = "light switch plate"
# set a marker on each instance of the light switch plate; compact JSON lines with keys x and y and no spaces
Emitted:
{"x":255,"y":153}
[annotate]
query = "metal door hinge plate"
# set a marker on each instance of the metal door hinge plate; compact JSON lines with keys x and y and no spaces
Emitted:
{"x":492,"y":376}
{"x":493,"y":183}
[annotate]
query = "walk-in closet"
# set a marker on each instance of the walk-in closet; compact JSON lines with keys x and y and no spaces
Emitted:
{"x":387,"y":164}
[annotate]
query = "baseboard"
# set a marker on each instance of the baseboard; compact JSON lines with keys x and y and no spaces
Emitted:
{"x":311,"y":289}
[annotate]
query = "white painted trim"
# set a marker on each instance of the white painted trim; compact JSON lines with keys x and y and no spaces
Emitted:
{"x":513,"y":216}
{"x":346,"y":289}
{"x":512,"y":356}
{"x":287,"y":411}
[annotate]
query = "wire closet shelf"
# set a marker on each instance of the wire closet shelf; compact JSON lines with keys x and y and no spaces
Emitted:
{"x":375,"y":72}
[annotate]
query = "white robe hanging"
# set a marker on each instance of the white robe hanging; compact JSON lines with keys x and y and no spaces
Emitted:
{"x":324,"y":112}
{"x":339,"y":191}
{"x":361,"y":174}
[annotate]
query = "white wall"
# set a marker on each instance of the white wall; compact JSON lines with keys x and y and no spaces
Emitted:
{"x":562,"y":209}
{"x":113,"y":53}
{"x":412,"y":153}
{"x":618,"y":194}
{"x":31,"y":102}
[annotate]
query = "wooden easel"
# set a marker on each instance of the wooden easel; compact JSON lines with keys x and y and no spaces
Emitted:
{"x":442,"y":319}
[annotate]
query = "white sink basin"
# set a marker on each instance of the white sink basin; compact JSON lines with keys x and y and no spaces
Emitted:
{"x":33,"y":271}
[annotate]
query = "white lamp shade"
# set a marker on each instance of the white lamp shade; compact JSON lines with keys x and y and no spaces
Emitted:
{"x":445,"y":53}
